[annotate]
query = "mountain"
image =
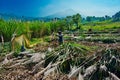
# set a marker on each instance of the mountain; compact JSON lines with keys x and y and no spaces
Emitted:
{"x":62,"y":14}
{"x":6,"y":16}
{"x":116,"y":17}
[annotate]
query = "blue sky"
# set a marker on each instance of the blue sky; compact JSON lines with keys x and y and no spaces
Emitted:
{"x":38,"y":8}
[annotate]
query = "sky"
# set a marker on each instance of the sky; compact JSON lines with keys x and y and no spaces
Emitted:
{"x":41,"y":8}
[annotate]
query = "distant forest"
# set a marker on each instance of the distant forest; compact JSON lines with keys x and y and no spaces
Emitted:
{"x":115,"y":17}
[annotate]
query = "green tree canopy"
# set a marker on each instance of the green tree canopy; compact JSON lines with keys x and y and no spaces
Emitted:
{"x":77,"y":19}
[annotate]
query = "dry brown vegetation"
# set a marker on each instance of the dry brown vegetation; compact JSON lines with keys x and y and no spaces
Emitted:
{"x":37,"y":66}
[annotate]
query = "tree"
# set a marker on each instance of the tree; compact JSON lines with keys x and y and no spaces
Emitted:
{"x":101,"y":19}
{"x":107,"y":17}
{"x":88,"y":18}
{"x":69,"y":21}
{"x":77,"y":19}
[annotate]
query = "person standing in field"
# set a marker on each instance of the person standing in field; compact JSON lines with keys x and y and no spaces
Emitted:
{"x":60,"y":37}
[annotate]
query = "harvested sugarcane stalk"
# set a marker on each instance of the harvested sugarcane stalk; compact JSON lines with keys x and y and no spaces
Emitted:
{"x":18,"y":63}
{"x":113,"y":76}
{"x":71,"y":61}
{"x":37,"y":66}
{"x":45,"y":69}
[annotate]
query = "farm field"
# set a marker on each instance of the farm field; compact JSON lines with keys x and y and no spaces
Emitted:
{"x":85,"y":55}
{"x":59,"y":40}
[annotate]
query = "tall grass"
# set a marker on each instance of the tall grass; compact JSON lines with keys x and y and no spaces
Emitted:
{"x":33,"y":29}
{"x":8,"y":28}
{"x":37,"y":29}
{"x":40,"y":29}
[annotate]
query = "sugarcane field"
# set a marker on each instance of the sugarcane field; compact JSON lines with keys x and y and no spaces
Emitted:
{"x":59,"y":40}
